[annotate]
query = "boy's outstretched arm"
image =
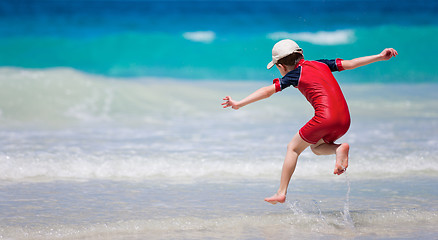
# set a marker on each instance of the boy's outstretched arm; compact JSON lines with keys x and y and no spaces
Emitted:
{"x":362,"y":61}
{"x":259,"y":94}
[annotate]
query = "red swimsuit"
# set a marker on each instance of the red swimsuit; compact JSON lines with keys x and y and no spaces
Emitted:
{"x":316,"y":82}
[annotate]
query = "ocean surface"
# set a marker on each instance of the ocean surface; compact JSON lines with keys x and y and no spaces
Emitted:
{"x":111,"y":125}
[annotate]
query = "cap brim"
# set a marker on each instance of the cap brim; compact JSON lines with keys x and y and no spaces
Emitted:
{"x":270,"y":65}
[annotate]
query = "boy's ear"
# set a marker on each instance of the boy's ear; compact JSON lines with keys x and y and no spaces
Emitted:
{"x":282,"y":67}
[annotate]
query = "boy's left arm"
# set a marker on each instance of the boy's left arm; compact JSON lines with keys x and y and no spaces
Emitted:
{"x":362,"y":61}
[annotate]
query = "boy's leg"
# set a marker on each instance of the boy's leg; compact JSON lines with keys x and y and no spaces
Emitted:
{"x":341,"y":151}
{"x":294,"y":149}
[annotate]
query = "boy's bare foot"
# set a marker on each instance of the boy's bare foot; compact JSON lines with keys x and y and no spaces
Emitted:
{"x":341,"y":158}
{"x":277,"y":198}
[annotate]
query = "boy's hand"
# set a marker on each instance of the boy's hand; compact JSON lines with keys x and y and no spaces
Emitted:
{"x":388,"y":53}
{"x":230,"y":103}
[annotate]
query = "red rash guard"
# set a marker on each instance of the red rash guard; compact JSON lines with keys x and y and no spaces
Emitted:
{"x":316,"y":82}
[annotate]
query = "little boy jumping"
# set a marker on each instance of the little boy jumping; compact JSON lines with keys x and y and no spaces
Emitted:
{"x":316,"y":82}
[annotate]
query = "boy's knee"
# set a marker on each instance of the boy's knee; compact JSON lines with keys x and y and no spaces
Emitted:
{"x":297,"y":145}
{"x":292,"y":148}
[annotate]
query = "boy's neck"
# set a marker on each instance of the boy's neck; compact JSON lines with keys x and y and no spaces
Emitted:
{"x":290,"y":68}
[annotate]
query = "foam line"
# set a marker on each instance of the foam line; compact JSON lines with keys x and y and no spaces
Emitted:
{"x":338,"y":37}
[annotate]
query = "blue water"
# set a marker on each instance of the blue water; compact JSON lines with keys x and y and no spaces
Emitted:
{"x":216,"y":39}
{"x":111,"y":125}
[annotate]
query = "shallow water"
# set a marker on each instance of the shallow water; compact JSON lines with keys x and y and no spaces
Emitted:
{"x":112,"y":164}
{"x":383,"y":209}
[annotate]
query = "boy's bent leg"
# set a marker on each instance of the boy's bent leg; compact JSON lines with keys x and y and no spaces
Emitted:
{"x":323,"y":148}
{"x":341,"y":151}
{"x":294,"y":149}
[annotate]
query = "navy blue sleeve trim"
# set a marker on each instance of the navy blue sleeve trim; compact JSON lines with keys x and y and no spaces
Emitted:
{"x":291,"y":78}
{"x":330,"y":63}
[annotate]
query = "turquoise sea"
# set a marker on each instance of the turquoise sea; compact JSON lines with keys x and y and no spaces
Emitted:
{"x":111,"y":125}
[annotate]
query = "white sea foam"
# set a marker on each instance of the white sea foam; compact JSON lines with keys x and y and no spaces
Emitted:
{"x":337,"y":37}
{"x":200,"y":36}
{"x":126,"y":162}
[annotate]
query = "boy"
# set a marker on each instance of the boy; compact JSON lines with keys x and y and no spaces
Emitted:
{"x":316,"y":82}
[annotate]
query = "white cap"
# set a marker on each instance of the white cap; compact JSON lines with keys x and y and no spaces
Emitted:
{"x":282,"y":49}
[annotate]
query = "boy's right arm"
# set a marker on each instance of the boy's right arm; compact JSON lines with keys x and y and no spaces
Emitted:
{"x":362,"y":61}
{"x":259,"y":94}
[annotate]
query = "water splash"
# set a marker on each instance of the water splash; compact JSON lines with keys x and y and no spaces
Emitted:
{"x":346,"y":214}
